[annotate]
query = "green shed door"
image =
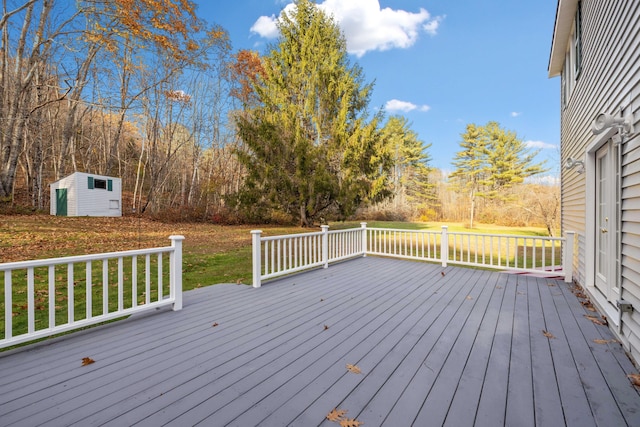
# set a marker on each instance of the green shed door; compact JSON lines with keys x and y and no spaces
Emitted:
{"x":61,"y":201}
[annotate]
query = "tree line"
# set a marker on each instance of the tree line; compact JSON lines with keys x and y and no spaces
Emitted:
{"x":147,"y":91}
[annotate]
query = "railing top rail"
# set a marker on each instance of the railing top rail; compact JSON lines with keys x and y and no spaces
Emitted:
{"x":520,"y":236}
{"x":290,"y":236}
{"x":400,"y":229}
{"x":81,"y":258}
{"x":345,"y":230}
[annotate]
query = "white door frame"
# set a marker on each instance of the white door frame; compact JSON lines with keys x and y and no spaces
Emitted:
{"x":605,"y":302}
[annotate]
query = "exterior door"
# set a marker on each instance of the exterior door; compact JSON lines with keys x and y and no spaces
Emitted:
{"x":61,"y":201}
{"x":606,"y":222}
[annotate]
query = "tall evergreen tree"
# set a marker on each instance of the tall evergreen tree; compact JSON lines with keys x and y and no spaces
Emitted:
{"x":310,"y":149}
{"x":491,"y":161}
{"x":410,"y":173}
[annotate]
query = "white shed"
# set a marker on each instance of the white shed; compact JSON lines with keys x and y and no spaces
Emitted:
{"x":86,"y":194}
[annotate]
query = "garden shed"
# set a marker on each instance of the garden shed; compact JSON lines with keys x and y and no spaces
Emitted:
{"x":85,"y":194}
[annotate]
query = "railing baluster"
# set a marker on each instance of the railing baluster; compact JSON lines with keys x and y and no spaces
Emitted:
{"x":120,"y":284}
{"x":8,"y":305}
{"x":147,"y":281}
{"x":70,"y":297}
{"x":160,"y":284}
{"x":51,"y":277}
{"x":134,"y":281}
{"x":89,"y":290}
{"x":279,"y":257}
{"x":105,"y":286}
{"x":31,"y":312}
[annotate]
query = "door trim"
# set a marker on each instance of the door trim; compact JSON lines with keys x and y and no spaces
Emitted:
{"x":590,"y":223}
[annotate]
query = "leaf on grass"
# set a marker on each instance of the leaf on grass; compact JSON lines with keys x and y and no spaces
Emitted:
{"x":214,"y":325}
{"x":14,"y":314}
{"x":597,"y":341}
{"x":349,"y":422}
{"x":239,"y":282}
{"x":635,"y":379}
{"x":354,"y":369}
{"x":87,"y":361}
{"x":595,"y":320}
{"x":547,"y":334}
{"x":326,"y":327}
{"x":336,"y":415}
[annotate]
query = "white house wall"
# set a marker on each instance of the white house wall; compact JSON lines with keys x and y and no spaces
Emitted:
{"x":609,"y":79}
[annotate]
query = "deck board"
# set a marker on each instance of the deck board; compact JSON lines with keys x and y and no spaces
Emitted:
{"x":463,"y":348}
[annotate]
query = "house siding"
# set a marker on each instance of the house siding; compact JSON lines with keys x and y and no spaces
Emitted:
{"x":608,"y":80}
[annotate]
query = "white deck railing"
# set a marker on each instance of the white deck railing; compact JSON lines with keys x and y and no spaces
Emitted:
{"x":280,"y":255}
{"x":50,"y":296}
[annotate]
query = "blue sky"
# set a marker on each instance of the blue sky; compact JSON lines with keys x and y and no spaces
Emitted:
{"x":442,"y":64}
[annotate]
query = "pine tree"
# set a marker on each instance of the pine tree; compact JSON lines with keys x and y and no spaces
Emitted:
{"x":410,"y":173}
{"x":492,"y":161}
{"x":310,"y":150}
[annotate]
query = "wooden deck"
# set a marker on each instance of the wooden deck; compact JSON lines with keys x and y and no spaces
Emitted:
{"x":460,"y":349}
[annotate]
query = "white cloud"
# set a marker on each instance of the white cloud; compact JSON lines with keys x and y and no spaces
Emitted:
{"x":396,"y":105}
{"x":515,"y":114}
{"x":365,"y":25}
{"x":266,"y":27}
{"x":540,"y":144}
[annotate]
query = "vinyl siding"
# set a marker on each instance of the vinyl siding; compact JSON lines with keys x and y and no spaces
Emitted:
{"x":609,"y":79}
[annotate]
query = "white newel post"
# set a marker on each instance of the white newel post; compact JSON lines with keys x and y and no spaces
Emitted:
{"x":325,"y":246}
{"x":364,"y":238}
{"x":444,"y":246}
{"x":175,"y":260}
{"x":256,"y":257}
{"x":567,"y":256}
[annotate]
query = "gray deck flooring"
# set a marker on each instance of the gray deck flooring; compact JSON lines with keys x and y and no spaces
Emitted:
{"x":462,"y":349}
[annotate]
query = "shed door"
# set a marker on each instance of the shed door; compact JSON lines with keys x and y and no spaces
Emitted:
{"x":61,"y":201}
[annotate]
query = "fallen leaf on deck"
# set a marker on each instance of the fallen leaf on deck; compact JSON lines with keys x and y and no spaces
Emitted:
{"x":551,"y":284}
{"x":595,"y":320}
{"x":87,"y":361}
{"x":547,"y":334}
{"x":635,"y":379}
{"x":442,"y":273}
{"x":214,"y":325}
{"x":321,"y":299}
{"x":326,"y":327}
{"x":498,"y":287}
{"x":469,"y":297}
{"x":336,"y":415}
{"x":354,"y":369}
{"x":597,"y":341}
{"x":348,"y":422}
